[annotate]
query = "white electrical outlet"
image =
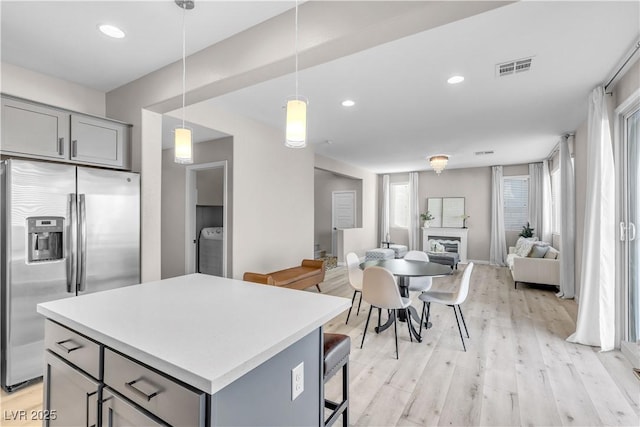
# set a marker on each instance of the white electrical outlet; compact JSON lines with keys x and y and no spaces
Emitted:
{"x":297,"y":381}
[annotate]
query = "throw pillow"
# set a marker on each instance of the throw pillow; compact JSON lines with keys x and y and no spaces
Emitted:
{"x":551,"y":254}
{"x":524,"y":248}
{"x":439,"y":248}
{"x":524,"y":241}
{"x":538,"y":251}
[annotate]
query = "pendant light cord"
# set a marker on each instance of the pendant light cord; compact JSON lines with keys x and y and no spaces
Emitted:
{"x":296,"y":49}
{"x":184,"y":60}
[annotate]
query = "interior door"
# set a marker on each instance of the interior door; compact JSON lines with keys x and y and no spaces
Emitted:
{"x":343,"y":211}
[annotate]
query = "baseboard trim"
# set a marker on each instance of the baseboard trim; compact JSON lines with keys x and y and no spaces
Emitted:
{"x":475,"y":261}
{"x":632,"y":352}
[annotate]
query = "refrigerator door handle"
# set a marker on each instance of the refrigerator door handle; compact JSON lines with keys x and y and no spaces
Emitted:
{"x":82,"y":218}
{"x":72,"y":241}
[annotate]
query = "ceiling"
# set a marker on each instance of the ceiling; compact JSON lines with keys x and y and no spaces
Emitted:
{"x":61,"y":39}
{"x":405,"y":110}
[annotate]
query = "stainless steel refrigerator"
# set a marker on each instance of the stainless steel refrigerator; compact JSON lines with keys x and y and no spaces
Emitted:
{"x":65,"y":231}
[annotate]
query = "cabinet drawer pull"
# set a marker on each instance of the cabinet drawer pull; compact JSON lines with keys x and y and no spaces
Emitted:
{"x":74,"y":148}
{"x":68,"y":348}
{"x":136,"y":390}
{"x":61,"y":146}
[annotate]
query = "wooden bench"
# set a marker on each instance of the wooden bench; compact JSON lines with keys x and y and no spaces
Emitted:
{"x":309,"y":273}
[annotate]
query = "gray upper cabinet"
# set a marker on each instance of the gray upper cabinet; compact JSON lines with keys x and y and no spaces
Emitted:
{"x":33,"y":130}
{"x":29,"y":129}
{"x":97,"y":141}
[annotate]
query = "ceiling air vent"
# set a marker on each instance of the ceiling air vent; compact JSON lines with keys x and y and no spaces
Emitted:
{"x":483,"y":153}
{"x":512,"y":67}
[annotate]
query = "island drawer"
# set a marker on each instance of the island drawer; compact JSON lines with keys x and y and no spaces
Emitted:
{"x":164,"y":397}
{"x":73,"y":347}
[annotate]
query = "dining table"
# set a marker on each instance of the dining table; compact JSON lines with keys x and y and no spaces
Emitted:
{"x":404,"y":269}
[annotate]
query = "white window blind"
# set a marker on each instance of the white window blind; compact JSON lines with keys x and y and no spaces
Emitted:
{"x":516,"y":200}
{"x":400,"y":205}
{"x":555,"y":201}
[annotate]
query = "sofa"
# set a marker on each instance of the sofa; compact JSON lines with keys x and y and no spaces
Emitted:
{"x":309,"y":273}
{"x":531,"y":261}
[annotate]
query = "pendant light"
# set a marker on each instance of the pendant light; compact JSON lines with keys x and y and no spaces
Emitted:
{"x":183,"y":141}
{"x":438,"y":163}
{"x":296,"y":124}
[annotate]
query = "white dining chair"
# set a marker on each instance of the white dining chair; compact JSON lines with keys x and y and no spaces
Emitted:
{"x":418,"y":284}
{"x":354,"y":274}
{"x":452,"y":299}
{"x":379,"y":288}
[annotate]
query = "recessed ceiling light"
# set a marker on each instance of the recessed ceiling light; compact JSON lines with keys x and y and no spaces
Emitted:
{"x":455,"y":79}
{"x":111,"y":31}
{"x":348,"y":103}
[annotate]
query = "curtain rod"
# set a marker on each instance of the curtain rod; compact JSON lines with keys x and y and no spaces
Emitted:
{"x":634,"y":50}
{"x":556,"y":148}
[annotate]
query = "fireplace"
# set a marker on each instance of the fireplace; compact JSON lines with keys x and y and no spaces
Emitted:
{"x":450,"y":243}
{"x":453,"y":239}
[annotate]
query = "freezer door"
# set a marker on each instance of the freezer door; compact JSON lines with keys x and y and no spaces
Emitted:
{"x":31,"y":190}
{"x":109,"y":229}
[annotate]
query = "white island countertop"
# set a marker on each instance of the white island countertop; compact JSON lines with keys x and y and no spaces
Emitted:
{"x":204,"y":330}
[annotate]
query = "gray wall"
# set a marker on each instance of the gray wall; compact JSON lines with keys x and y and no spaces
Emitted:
{"x":474,"y":184}
{"x":210,"y":186}
{"x":173,"y":203}
{"x":325,"y":183}
{"x":357,"y":240}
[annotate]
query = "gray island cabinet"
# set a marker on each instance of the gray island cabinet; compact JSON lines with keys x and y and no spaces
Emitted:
{"x":195,"y":350}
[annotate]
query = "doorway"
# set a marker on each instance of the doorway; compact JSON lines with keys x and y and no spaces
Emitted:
{"x":206,"y":220}
{"x":326,"y":183}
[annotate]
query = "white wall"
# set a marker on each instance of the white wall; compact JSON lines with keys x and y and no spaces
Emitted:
{"x":273,"y":193}
{"x":28,"y":84}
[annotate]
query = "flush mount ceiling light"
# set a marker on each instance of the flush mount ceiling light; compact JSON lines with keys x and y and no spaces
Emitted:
{"x":111,"y":31}
{"x":296,"y":124}
{"x":348,"y":103}
{"x":183,"y":139}
{"x":438,"y":163}
{"x":455,"y":80}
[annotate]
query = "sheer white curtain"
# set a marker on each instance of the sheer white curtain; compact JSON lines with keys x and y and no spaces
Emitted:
{"x":567,"y":221}
{"x":596,"y":312}
{"x":535,"y":198}
{"x":414,"y":212}
{"x":498,"y":248}
{"x":547,"y":211}
{"x":384,"y":214}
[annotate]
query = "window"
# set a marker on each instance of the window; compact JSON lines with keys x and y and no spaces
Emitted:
{"x":555,"y":201}
{"x":516,"y":201}
{"x":400,"y":205}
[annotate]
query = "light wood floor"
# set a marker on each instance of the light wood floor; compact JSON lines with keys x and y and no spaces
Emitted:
{"x":518,"y":368}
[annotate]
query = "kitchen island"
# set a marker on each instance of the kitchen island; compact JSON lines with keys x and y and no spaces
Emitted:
{"x":190,"y":350}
